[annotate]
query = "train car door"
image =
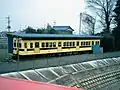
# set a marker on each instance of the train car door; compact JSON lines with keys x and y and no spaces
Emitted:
{"x":25,"y":46}
{"x":37,"y":48}
{"x":59,"y":46}
{"x":77,"y":45}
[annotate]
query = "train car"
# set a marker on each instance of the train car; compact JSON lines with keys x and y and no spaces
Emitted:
{"x":35,"y":44}
{"x":19,"y":84}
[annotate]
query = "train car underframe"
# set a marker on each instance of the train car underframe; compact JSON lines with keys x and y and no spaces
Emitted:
{"x":31,"y":57}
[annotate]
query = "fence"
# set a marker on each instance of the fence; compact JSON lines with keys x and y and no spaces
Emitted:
{"x":3,"y":43}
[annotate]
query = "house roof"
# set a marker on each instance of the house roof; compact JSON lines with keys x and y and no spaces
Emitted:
{"x":7,"y":83}
{"x":24,"y":35}
{"x":64,"y":28}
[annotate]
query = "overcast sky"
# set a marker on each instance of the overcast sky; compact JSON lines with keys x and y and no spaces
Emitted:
{"x":37,"y":13}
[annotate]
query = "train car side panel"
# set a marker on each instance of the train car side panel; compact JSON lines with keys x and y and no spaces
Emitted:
{"x":54,"y":46}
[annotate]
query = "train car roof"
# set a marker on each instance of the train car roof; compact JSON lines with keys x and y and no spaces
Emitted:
{"x":7,"y":83}
{"x":24,"y":35}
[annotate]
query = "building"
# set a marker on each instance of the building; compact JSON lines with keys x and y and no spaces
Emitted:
{"x":63,"y":29}
{"x":3,"y":34}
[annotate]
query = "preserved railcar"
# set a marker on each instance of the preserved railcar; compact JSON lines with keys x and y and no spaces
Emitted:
{"x":35,"y":44}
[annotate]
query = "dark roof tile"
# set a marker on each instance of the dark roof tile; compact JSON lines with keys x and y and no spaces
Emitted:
{"x":24,"y":35}
{"x":63,"y":28}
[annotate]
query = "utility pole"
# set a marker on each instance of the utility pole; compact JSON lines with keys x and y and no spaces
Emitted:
{"x":18,"y":58}
{"x":18,"y":53}
{"x":80,"y":23}
{"x":8,"y":21}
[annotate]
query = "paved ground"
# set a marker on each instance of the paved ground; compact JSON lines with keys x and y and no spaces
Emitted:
{"x":53,"y":61}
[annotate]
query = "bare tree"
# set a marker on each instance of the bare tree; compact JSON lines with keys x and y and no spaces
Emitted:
{"x":104,"y":11}
{"x":89,"y":24}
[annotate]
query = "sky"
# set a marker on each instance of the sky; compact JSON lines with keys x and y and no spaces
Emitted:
{"x":37,"y":13}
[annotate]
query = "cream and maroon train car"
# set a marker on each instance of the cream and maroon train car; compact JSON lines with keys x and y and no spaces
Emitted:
{"x":33,"y":44}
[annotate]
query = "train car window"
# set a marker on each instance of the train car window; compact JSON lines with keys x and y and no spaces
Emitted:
{"x":92,"y":42}
{"x":89,"y":43}
{"x":31,"y":45}
{"x":25,"y":45}
{"x":46,"y":44}
{"x":59,"y":44}
{"x":54,"y":44}
{"x":51,"y":44}
{"x":81,"y":43}
{"x":73,"y":43}
{"x":20,"y":45}
{"x":43,"y":44}
{"x":77,"y":43}
{"x":97,"y":42}
{"x":68,"y":43}
{"x":36,"y":44}
{"x":14,"y":44}
{"x":64,"y":44}
{"x":86,"y":43}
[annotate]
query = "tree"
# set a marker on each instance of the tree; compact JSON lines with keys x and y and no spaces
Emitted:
{"x":48,"y":27}
{"x":29,"y":30}
{"x":48,"y":30}
{"x":116,"y":31}
{"x":89,"y":24}
{"x":117,"y":15}
{"x":52,"y":31}
{"x":40,"y":31}
{"x":104,"y":11}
